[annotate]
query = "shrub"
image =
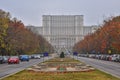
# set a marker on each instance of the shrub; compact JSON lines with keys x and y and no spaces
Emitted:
{"x":62,"y":55}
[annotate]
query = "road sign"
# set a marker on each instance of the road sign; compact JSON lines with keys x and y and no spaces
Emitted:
{"x":45,"y":54}
{"x":75,"y":53}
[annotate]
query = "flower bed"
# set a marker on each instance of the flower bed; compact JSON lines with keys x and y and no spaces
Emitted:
{"x":64,"y":66}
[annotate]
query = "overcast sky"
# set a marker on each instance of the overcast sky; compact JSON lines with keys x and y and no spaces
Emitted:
{"x":31,"y":11}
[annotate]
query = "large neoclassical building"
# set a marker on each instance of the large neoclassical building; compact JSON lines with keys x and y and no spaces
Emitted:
{"x":63,"y":31}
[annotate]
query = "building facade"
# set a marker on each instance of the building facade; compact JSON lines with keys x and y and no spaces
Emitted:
{"x":63,"y":31}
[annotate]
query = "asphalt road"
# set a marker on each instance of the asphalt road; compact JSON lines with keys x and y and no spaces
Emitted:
{"x":9,"y":69}
{"x":112,"y":68}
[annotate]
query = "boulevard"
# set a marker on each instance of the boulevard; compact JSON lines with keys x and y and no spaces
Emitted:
{"x":112,"y":68}
{"x":9,"y":69}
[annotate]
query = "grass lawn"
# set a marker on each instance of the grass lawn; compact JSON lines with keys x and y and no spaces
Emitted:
{"x":32,"y":75}
{"x":63,"y":60}
{"x":93,"y":75}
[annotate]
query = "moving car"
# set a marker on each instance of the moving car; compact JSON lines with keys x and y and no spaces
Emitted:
{"x":24,"y":57}
{"x":35,"y":56}
{"x":13,"y":60}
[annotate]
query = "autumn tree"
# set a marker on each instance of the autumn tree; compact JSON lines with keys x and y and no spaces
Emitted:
{"x":16,"y":39}
{"x":105,"y":40}
{"x":4,"y":19}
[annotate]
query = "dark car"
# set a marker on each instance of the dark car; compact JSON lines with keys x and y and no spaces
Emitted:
{"x":24,"y":57}
{"x":13,"y":60}
{"x":1,"y":59}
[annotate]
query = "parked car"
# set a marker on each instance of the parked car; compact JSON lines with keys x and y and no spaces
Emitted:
{"x":24,"y":57}
{"x":3,"y":59}
{"x":13,"y":60}
{"x":30,"y":56}
{"x":113,"y":57}
{"x":117,"y":58}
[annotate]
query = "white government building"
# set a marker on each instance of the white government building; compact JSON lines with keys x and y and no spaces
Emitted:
{"x":63,"y":31}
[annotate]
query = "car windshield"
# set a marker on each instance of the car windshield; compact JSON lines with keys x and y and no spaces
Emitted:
{"x":14,"y":57}
{"x":24,"y":55}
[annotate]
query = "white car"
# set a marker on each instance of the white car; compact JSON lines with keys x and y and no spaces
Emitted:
{"x":113,"y":57}
{"x":36,"y":56}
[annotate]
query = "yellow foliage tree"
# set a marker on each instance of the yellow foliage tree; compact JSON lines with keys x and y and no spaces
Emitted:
{"x":4,"y":19}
